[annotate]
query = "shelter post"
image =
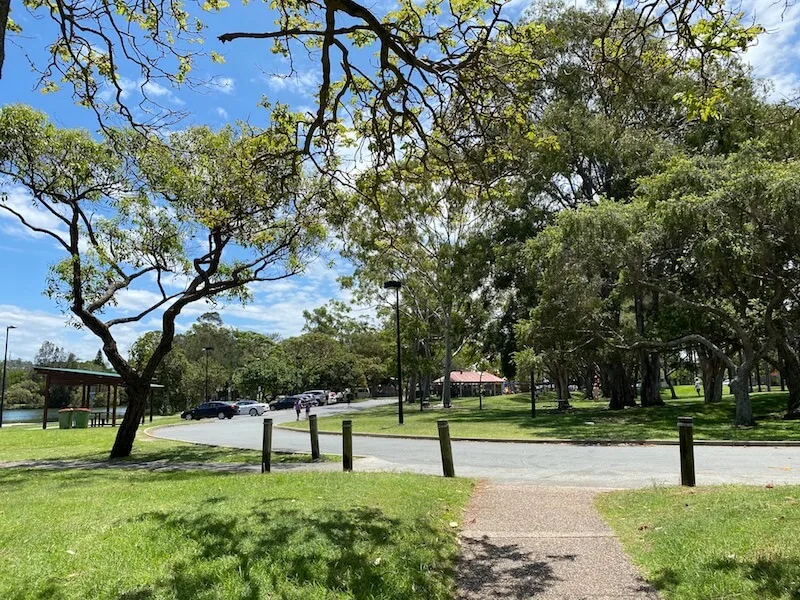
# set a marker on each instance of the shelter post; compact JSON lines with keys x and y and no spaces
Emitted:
{"x":114,"y":408}
{"x":46,"y":400}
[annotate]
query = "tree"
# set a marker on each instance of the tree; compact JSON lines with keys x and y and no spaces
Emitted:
{"x":193,"y":217}
{"x":417,"y":232}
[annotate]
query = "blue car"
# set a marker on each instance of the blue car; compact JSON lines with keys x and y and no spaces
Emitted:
{"x":221,"y":410}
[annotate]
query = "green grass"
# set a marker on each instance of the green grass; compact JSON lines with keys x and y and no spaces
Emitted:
{"x":23,"y":442}
{"x":707,"y":543}
{"x":78,"y":534}
{"x":509,"y":417}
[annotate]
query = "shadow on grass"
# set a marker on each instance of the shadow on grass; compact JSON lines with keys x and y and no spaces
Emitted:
{"x":488,"y":570}
{"x":277,"y":551}
{"x":712,"y":421}
{"x":772,"y":577}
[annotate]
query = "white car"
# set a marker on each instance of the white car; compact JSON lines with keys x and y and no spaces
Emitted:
{"x":321,"y":396}
{"x":251,"y":407}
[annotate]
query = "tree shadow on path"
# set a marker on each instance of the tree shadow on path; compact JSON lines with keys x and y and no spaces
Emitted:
{"x":488,"y":570}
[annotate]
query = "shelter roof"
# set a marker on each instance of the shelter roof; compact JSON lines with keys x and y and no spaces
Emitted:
{"x":471,"y":377}
{"x":59,"y":376}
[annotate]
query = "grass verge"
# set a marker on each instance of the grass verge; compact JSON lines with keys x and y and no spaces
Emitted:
{"x":509,"y":417}
{"x":79,"y":534}
{"x":23,"y":442}
{"x":708,"y":543}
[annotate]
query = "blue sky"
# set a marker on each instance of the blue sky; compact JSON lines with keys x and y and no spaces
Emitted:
{"x":232,"y":91}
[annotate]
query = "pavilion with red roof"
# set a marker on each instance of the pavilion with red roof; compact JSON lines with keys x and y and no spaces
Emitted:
{"x":468,"y":382}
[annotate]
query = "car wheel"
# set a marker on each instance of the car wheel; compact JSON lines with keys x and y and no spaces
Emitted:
{"x":188,"y":416}
{"x":253,"y":412}
{"x":221,"y":415}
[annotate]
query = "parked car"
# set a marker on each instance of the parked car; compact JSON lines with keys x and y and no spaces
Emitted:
{"x":282,"y":402}
{"x":221,"y":410}
{"x":361,"y":393}
{"x":318,"y":396}
{"x":251,"y":407}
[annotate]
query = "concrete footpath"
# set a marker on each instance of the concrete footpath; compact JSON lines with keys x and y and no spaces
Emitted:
{"x":547,"y":543}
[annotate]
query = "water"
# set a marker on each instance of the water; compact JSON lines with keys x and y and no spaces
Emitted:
{"x":34,"y":415}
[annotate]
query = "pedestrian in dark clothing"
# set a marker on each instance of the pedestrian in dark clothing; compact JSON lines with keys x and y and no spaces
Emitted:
{"x":308,"y":408}
{"x":297,"y":406}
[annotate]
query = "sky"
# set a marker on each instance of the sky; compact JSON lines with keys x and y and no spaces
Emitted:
{"x":229,"y":92}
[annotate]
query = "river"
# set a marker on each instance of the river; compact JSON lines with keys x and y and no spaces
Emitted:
{"x":34,"y":415}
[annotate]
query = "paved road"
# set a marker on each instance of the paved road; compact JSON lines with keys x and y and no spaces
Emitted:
{"x":542,"y":464}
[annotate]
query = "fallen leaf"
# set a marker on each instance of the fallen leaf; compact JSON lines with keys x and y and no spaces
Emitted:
{"x":71,"y":552}
{"x":377,"y":561}
{"x":453,"y":524}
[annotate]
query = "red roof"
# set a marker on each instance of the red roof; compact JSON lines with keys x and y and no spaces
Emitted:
{"x":471,"y":377}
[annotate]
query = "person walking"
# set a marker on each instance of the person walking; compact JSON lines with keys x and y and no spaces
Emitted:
{"x":697,"y":385}
{"x":308,"y":409}
{"x":297,"y":406}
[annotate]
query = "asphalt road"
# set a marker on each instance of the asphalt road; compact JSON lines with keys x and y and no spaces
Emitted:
{"x":543,"y":464}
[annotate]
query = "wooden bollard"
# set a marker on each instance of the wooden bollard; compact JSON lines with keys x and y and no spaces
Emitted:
{"x":447,"y":450}
{"x":686,"y":441}
{"x":347,"y":445}
{"x":266,"y":446}
{"x":312,"y":426}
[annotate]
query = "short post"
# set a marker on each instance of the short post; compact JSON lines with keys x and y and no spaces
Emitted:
{"x":347,"y":445}
{"x":447,"y":450}
{"x":686,"y":440}
{"x":266,"y":446}
{"x":312,"y":426}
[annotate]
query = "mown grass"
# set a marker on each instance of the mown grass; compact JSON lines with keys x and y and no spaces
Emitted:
{"x":509,"y":417}
{"x":709,"y":543}
{"x":77,"y":534}
{"x":23,"y":442}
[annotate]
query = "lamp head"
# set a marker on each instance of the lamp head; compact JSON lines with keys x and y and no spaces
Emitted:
{"x":11,"y":327}
{"x":391,"y":285}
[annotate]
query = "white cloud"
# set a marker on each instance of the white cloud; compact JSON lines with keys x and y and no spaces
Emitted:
{"x":776,"y":54}
{"x":297,"y":82}
{"x":20,"y":201}
{"x":222,"y":112}
{"x":223,"y":85}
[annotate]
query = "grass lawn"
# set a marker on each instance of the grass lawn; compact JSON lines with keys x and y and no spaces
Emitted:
{"x":23,"y":442}
{"x":707,"y":543}
{"x":509,"y":417}
{"x":109,"y":534}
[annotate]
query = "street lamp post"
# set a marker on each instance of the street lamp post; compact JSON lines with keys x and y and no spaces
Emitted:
{"x":5,"y":362}
{"x":395,"y":285}
{"x":207,"y":349}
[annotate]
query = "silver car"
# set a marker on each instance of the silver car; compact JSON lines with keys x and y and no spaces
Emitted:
{"x":251,"y":407}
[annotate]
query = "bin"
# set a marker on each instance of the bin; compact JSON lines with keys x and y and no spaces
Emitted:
{"x":82,"y":417}
{"x":65,"y":418}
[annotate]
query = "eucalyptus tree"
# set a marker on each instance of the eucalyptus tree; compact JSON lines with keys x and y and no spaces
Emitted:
{"x":414,"y":224}
{"x":172,"y":224}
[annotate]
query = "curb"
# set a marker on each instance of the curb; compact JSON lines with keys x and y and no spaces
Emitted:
{"x":587,"y":442}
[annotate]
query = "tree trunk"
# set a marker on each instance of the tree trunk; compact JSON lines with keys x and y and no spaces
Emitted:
{"x":426,"y":387}
{"x":448,"y":362}
{"x":713,"y":373}
{"x":620,"y":386}
{"x":137,"y":403}
{"x":648,"y":361}
{"x":563,"y":384}
{"x":790,"y":375}
{"x":672,"y":393}
{"x":411,"y":394}
{"x":651,"y":380}
{"x":740,"y":386}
